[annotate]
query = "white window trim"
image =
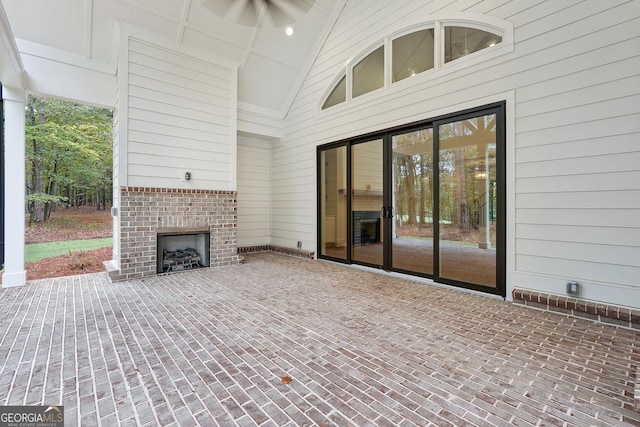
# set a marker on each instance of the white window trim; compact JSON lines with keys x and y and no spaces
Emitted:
{"x":357,"y":60}
{"x":333,"y":85}
{"x":406,"y":31}
{"x":490,"y":24}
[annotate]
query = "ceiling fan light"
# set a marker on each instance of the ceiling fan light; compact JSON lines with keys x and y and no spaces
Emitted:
{"x":289,"y":31}
{"x":252,"y":12}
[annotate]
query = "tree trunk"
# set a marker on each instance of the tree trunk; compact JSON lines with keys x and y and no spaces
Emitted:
{"x":399,"y":195}
{"x":422,"y":183}
{"x":462,"y":189}
{"x":67,"y":192}
{"x":37,"y":209}
{"x":52,"y":190}
{"x":37,"y":213}
{"x":411,"y":193}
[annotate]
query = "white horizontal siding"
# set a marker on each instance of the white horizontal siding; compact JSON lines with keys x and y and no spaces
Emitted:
{"x":580,"y":217}
{"x":180,"y":118}
{"x":147,"y":143}
{"x":208,"y":114}
{"x":180,"y":134}
{"x":216,"y":98}
{"x":580,"y":114}
{"x":602,"y":128}
{"x":620,"y":236}
{"x":209,"y":166}
{"x":606,"y":163}
{"x":589,"y":273}
{"x":189,"y":105}
{"x":620,"y":199}
{"x":614,"y":181}
{"x":596,"y":253}
{"x":574,"y":189}
{"x":606,"y":145}
{"x":254,"y":191}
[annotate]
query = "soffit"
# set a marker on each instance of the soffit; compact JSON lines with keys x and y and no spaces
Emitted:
{"x":269,"y":60}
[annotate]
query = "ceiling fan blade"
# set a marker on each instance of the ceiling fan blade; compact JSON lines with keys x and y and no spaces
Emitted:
{"x":249,"y":14}
{"x":279,"y":17}
{"x":304,"y":5}
{"x":285,"y":12}
{"x":219,"y":7}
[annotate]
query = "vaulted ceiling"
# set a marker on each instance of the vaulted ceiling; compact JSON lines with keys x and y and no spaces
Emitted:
{"x":270,"y":62}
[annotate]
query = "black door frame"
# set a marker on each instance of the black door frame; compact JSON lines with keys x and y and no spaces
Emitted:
{"x":499,"y":110}
{"x":386,"y":135}
{"x":385,"y":219}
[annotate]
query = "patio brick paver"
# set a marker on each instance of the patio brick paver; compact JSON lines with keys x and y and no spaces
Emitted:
{"x":211,"y":347}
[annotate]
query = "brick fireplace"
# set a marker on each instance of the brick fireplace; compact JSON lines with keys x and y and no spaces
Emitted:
{"x":182,"y":249}
{"x":144,"y":213}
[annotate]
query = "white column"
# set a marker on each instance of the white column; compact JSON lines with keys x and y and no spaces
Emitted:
{"x":14,"y":169}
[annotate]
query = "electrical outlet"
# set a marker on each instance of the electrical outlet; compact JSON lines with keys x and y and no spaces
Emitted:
{"x":573,"y":288}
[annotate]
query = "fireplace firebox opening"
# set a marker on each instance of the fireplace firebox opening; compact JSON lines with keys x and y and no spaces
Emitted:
{"x":178,"y":251}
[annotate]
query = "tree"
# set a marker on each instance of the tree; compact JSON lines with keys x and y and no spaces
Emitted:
{"x":68,"y":153}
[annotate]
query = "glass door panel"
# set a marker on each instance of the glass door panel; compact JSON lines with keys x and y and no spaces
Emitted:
{"x":427,"y":199}
{"x":367,"y":180}
{"x":412,"y":234}
{"x":333,"y":203}
{"x":467,"y":200}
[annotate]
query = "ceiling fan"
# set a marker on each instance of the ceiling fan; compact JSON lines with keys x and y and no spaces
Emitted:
{"x":252,"y":12}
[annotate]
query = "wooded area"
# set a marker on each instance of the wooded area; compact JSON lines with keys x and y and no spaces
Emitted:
{"x":69,"y":159}
{"x":467,"y":180}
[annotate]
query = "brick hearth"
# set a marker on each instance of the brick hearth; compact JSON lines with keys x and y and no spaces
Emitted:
{"x":143,"y":212}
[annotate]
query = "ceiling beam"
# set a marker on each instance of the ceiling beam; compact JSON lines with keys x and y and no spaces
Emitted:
{"x":15,"y":74}
{"x":254,"y":36}
{"x":186,"y":7}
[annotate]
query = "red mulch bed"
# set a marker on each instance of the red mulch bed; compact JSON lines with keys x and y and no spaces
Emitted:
{"x":70,"y":224}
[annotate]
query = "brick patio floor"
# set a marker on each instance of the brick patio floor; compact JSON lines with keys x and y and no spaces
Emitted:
{"x":212,"y":346}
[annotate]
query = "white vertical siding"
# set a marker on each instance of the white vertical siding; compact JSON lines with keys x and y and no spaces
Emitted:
{"x":254,"y":191}
{"x":572,"y":83}
{"x":181,"y":117}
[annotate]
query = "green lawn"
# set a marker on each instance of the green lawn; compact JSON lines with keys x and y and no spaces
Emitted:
{"x":37,"y":251}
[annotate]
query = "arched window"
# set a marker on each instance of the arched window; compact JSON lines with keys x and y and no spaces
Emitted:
{"x":412,"y":53}
{"x":338,"y":94}
{"x":368,"y":74}
{"x":462,"y":41}
{"x":416,"y":50}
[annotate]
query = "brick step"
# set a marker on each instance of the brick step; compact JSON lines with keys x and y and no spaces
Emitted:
{"x":600,"y":312}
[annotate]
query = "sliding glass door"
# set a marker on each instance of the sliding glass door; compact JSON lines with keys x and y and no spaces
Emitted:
{"x":426,"y":199}
{"x":467,"y":200}
{"x":332,"y":167}
{"x":412,"y":236}
{"x":367,"y":202}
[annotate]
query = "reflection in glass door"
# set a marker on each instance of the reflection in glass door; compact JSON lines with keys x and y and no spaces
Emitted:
{"x":333,"y":206}
{"x":468,"y":200}
{"x":427,"y":199}
{"x":412,"y":234}
{"x":367,"y":182}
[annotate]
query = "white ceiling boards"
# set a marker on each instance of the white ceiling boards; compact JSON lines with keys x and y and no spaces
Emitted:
{"x":270,"y":61}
